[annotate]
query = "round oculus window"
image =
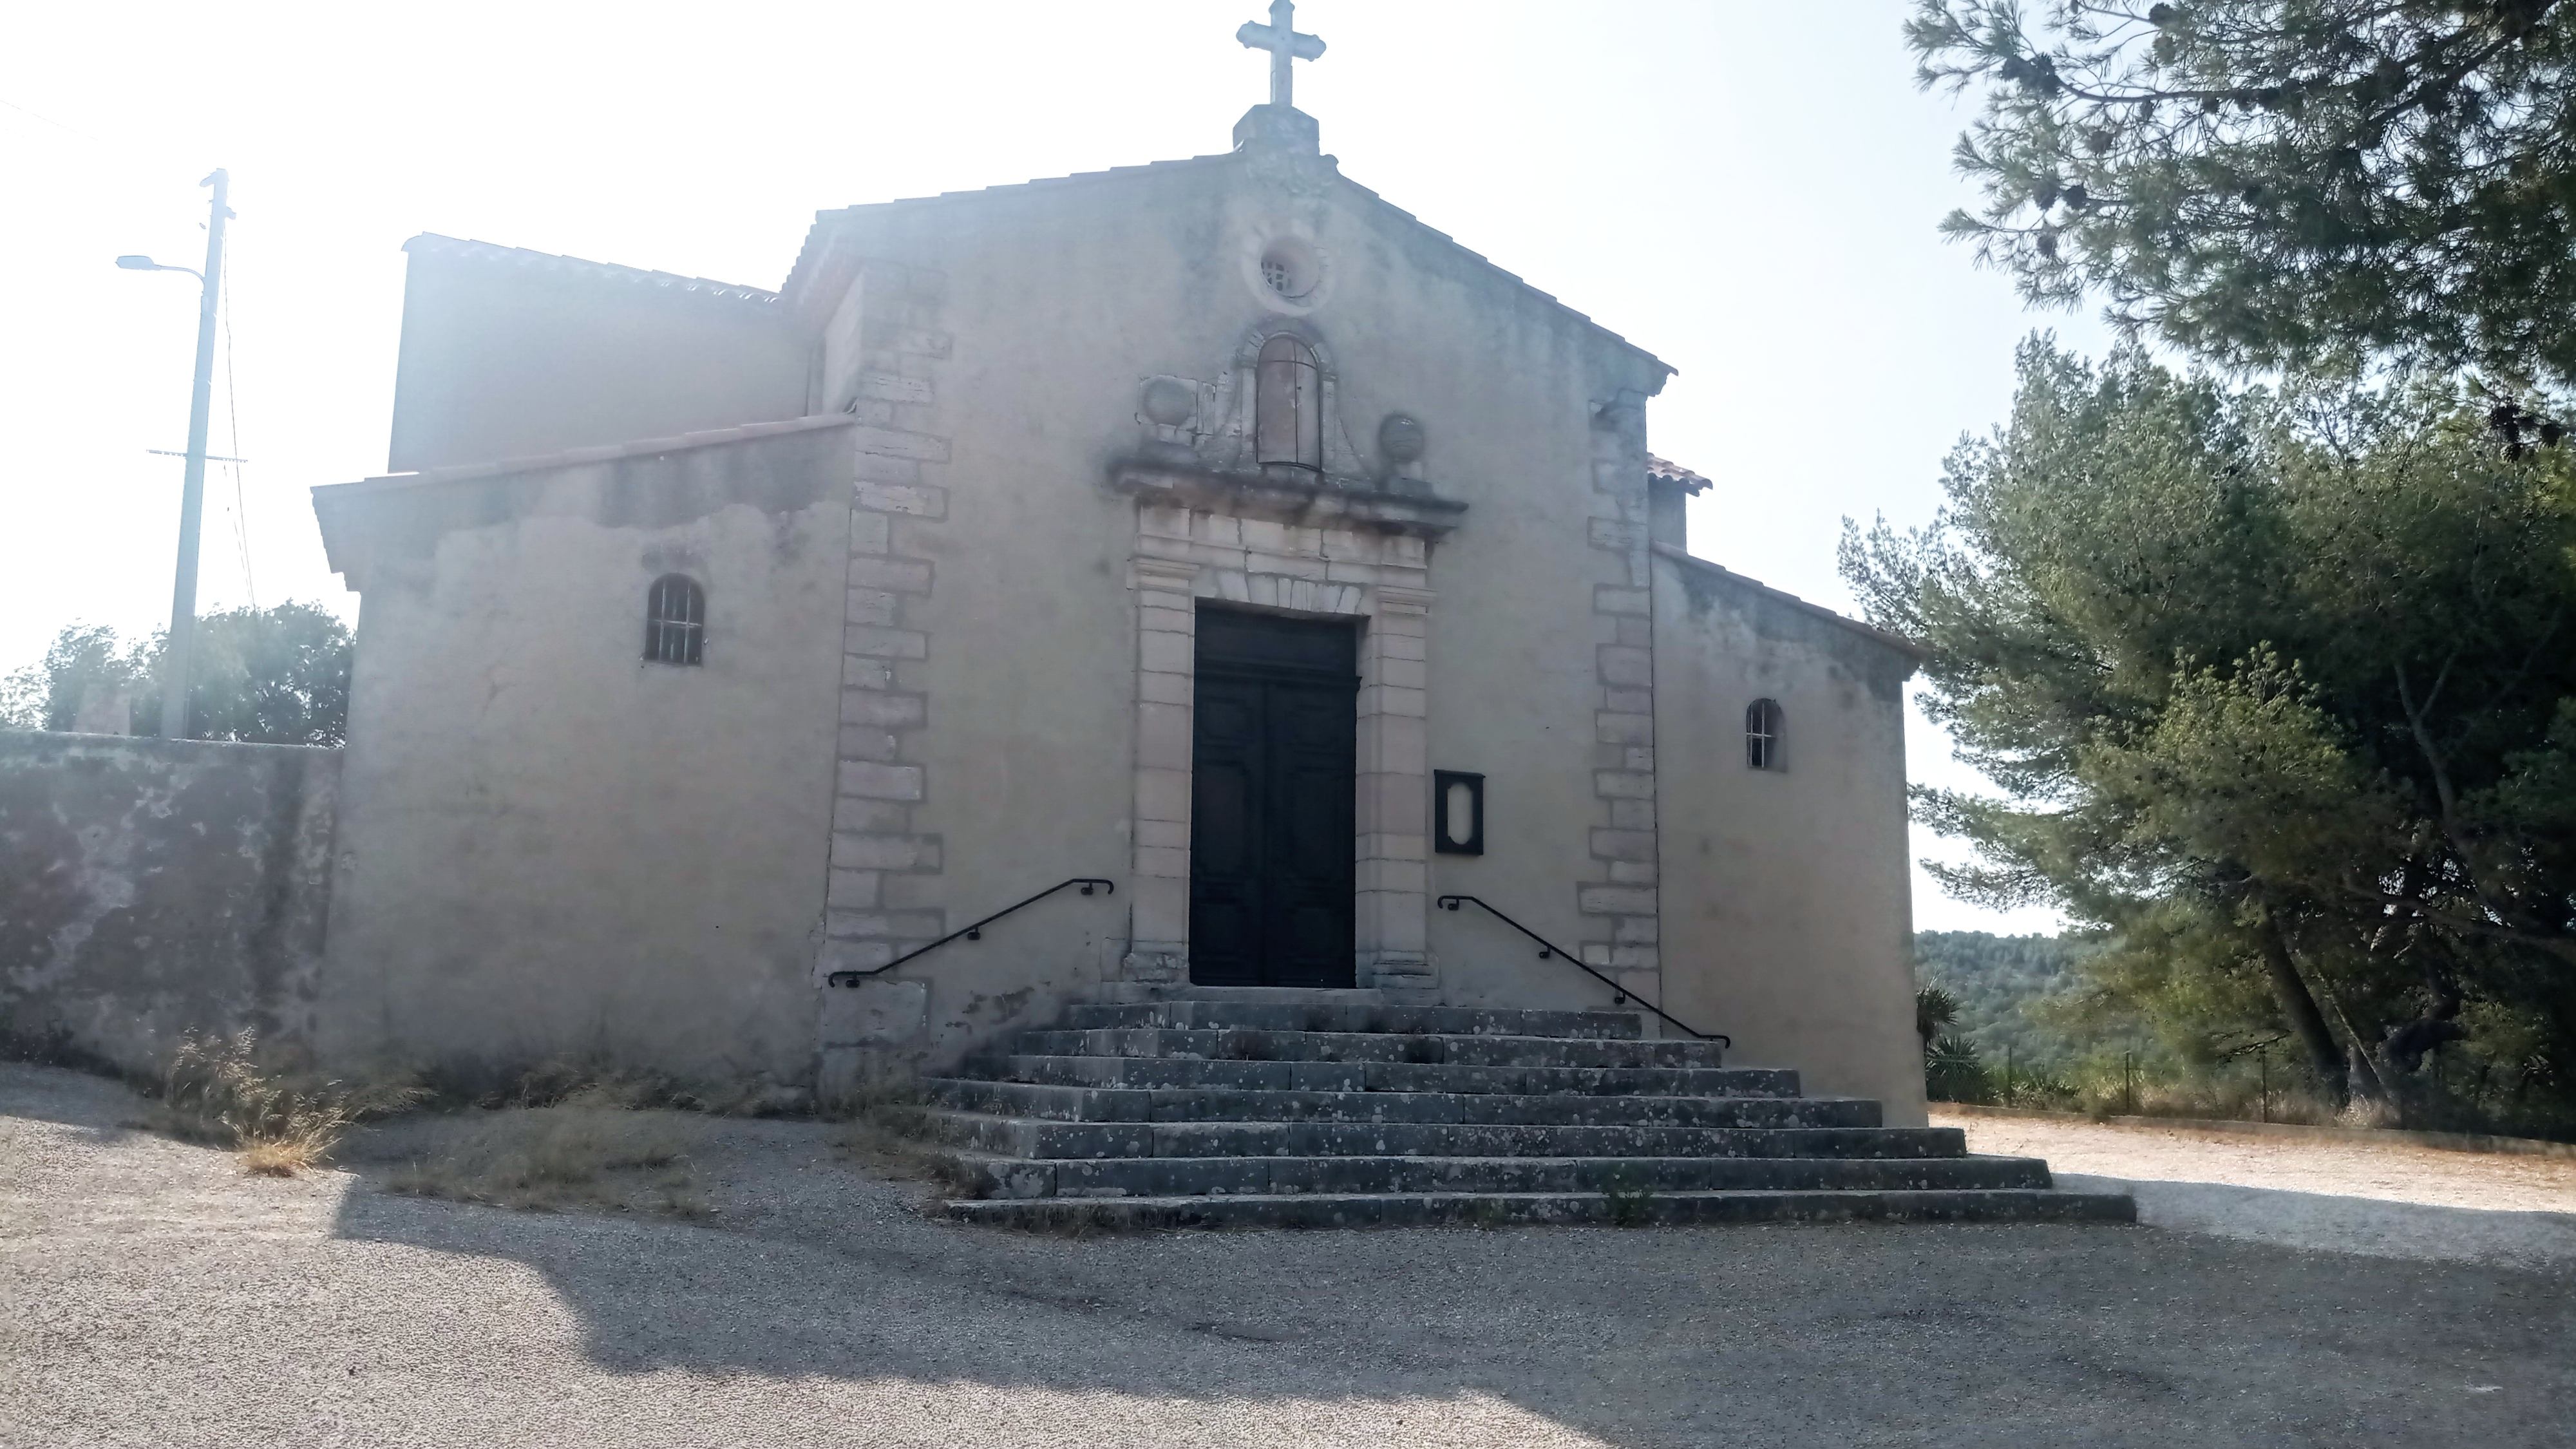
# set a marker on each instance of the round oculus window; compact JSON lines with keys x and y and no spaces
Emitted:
{"x":1290,"y":268}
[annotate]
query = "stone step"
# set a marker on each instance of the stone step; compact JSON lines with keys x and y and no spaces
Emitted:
{"x":1301,"y":1076}
{"x":1235,"y":1015}
{"x":1228,"y":1104}
{"x":1380,"y":1210}
{"x":1326,"y":1046}
{"x":1010,"y":1177}
{"x":1040,"y":1138}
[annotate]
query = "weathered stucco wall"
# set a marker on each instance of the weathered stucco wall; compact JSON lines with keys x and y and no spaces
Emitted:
{"x":152,"y":887}
{"x":1787,"y":913}
{"x":549,"y":845}
{"x":510,"y":354}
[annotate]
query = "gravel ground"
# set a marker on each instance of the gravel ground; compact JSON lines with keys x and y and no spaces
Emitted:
{"x":2389,"y":1172}
{"x":2387,"y":1200}
{"x":152,"y":1294}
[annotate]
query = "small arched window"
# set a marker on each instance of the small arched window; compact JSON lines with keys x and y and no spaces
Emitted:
{"x":675,"y":621}
{"x":1288,"y":405}
{"x":1762,"y":721}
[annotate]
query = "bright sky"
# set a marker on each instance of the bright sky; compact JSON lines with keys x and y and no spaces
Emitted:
{"x":1748,"y":189}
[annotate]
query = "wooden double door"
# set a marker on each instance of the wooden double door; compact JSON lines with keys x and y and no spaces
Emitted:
{"x":1275,"y":754}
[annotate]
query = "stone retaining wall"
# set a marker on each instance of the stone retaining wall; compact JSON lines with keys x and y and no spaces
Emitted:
{"x":149,"y":887}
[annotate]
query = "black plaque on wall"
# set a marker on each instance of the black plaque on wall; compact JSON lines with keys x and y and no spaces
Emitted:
{"x":1457,"y":812}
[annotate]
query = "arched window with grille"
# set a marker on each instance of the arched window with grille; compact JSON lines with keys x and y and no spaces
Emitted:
{"x":1762,"y":731}
{"x":1288,"y":405}
{"x":675,"y":621}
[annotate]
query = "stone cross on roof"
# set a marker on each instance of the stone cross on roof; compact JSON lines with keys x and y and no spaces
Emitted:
{"x":1285,"y":45}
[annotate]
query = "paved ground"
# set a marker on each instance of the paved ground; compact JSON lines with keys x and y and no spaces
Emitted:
{"x":150,"y":1294}
{"x":2383,"y":1199}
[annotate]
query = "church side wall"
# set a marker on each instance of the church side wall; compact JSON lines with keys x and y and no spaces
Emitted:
{"x":503,"y":362}
{"x":551,"y":847}
{"x":1787,"y":919}
{"x":150,"y":888}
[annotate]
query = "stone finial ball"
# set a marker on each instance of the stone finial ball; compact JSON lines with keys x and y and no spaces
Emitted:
{"x":1170,"y":401}
{"x":1400,"y":438}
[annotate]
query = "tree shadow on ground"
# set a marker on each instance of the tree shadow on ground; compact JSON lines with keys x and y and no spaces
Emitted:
{"x":2370,"y":1227}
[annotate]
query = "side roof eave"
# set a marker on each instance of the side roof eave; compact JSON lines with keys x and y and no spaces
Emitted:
{"x":1871,"y":632}
{"x":493,"y":254}
{"x":336,"y":506}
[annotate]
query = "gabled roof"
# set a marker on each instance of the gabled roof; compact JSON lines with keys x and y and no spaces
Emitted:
{"x":811,"y":258}
{"x":430,"y":244}
{"x":1659,"y":470}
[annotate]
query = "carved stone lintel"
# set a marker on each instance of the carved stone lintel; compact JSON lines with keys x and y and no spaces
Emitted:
{"x":1400,"y":506}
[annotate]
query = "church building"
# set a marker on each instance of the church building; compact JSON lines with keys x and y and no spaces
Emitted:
{"x":1197,"y":581}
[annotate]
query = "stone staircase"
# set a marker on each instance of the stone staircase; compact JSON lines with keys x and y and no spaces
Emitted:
{"x":1335,"y":1110}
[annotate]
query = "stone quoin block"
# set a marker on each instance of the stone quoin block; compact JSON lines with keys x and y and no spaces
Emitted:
{"x":892,"y":443}
{"x":882,"y":643}
{"x":885,"y":852}
{"x":1623,"y":845}
{"x":883,"y":709}
{"x":855,"y":816}
{"x":894,"y":575}
{"x":1621,"y":785}
{"x":870,"y":533}
{"x":893,"y":388}
{"x":878,"y":468}
{"x":872,"y":781}
{"x":861,"y":743}
{"x":920,"y":500}
{"x":872,"y":606}
{"x":1615,"y":901}
{"x":1621,"y":665}
{"x":1623,"y":729}
{"x":884,"y":925}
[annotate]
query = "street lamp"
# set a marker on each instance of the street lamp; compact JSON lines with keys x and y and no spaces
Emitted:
{"x":178,"y":663}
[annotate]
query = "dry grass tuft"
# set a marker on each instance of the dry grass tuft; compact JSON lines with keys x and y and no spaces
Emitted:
{"x":601,"y":1077}
{"x":588,"y":1150}
{"x":888,"y":1130}
{"x":222,"y":1091}
{"x":281,"y":1159}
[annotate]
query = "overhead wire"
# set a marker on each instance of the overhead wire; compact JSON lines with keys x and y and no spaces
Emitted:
{"x":232,"y":418}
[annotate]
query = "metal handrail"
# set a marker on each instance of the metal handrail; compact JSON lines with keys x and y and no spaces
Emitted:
{"x":1619,"y":993}
{"x":974,"y":932}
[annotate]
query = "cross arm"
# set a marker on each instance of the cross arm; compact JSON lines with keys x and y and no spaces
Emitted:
{"x":1256,"y":36}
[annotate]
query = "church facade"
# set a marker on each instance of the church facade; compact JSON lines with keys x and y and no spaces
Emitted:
{"x":1280,"y":592}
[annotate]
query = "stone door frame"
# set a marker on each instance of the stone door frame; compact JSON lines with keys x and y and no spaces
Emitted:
{"x":1184,"y":554}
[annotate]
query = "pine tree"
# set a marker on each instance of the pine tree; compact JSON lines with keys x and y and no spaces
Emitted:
{"x":2281,"y":183}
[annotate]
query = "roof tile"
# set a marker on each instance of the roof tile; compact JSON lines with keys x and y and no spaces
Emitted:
{"x":434,"y":245}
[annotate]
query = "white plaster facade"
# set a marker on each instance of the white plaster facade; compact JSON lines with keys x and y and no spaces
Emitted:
{"x":1027,"y":428}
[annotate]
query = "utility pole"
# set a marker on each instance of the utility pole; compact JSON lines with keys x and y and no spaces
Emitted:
{"x":192,"y":493}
